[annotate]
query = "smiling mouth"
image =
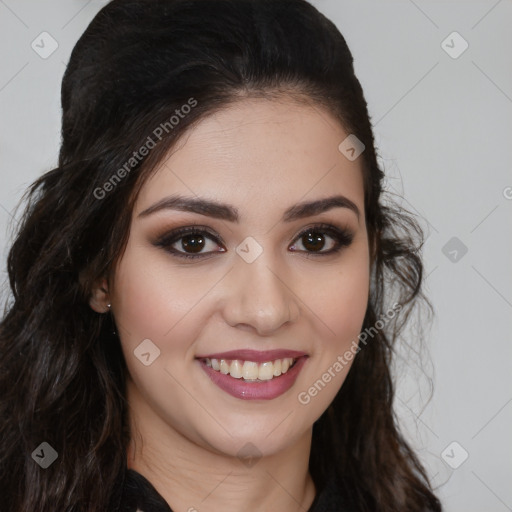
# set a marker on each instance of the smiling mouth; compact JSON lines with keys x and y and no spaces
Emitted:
{"x":251,"y":371}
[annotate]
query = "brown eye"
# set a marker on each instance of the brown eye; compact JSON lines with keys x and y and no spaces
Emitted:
{"x":313,"y":239}
{"x":198,"y":242}
{"x":193,"y":243}
{"x":189,"y":242}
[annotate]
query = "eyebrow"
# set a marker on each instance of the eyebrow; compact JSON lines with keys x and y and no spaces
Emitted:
{"x":227,"y":212}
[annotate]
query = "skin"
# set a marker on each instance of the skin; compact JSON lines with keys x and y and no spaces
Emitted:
{"x":260,"y":156}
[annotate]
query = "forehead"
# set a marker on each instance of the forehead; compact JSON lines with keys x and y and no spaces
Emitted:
{"x":262,"y":153}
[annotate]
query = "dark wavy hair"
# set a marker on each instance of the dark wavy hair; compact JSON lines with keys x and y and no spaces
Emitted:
{"x":62,"y":371}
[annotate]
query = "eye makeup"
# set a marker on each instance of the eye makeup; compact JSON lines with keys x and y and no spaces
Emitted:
{"x":194,"y":238}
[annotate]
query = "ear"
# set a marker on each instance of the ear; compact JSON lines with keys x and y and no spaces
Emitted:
{"x":100,"y":299}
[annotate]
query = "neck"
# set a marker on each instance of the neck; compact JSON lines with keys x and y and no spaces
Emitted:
{"x":194,"y":478}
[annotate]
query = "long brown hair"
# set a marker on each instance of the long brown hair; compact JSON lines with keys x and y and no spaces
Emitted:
{"x":62,"y":371}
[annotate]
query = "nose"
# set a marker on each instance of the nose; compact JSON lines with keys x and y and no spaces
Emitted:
{"x":259,"y":297}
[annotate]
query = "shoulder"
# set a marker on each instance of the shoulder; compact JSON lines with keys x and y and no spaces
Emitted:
{"x":134,"y":493}
{"x":330,"y":498}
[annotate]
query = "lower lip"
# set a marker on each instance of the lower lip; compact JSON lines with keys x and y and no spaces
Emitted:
{"x":266,"y":390}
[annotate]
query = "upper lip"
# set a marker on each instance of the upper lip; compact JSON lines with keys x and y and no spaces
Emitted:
{"x":254,"y":355}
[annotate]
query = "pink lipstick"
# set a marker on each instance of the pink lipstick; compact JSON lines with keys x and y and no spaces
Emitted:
{"x":254,"y":375}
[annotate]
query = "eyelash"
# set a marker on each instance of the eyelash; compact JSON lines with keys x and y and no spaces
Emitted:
{"x":342,"y":238}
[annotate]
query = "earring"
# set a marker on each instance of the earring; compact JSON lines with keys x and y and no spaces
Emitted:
{"x":112,"y":320}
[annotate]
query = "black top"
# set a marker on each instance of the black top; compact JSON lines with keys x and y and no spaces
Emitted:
{"x":137,"y":494}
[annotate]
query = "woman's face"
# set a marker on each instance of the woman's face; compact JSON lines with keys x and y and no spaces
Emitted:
{"x":266,"y":282}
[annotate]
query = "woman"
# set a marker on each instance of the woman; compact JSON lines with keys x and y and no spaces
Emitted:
{"x":207,"y":289}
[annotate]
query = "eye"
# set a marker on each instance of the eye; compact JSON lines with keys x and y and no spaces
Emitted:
{"x":313,"y":239}
{"x":190,"y":241}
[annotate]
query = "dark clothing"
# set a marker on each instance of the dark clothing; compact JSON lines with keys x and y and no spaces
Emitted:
{"x":136,"y":494}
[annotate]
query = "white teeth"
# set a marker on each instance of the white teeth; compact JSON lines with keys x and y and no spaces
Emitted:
{"x":250,"y":370}
{"x":235,"y":370}
{"x":224,"y":367}
{"x":266,"y":371}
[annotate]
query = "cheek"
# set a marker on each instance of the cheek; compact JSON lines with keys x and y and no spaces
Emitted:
{"x":340,"y":304}
{"x":149,"y":300}
{"x":151,"y":303}
{"x":340,"y":309}
{"x":349,"y":309}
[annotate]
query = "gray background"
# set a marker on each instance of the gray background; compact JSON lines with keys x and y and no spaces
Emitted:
{"x":443,"y":130}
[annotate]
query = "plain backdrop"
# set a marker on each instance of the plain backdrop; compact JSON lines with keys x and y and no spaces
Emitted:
{"x":437,"y":76}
